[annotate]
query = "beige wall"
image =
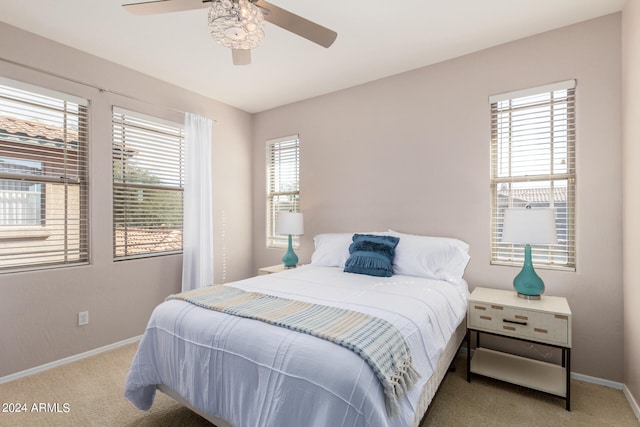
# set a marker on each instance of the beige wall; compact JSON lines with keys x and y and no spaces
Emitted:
{"x":411,"y":152}
{"x":631,"y":194}
{"x":38,"y":310}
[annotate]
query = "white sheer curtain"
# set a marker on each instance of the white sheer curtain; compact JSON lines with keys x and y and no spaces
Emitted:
{"x":197,"y":258}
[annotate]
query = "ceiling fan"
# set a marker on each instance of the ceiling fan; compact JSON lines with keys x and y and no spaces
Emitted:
{"x":238,"y":24}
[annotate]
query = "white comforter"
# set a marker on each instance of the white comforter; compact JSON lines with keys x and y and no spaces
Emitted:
{"x":254,"y":374}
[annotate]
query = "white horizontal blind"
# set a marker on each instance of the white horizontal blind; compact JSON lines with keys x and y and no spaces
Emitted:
{"x":43,"y":178}
{"x":148,"y":183}
{"x":533,"y":163}
{"x":283,"y":185}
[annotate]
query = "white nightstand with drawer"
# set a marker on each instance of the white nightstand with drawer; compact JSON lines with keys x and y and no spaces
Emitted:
{"x":546,"y":321}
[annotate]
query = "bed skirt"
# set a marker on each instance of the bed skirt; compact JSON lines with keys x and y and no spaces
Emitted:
{"x":441,"y":370}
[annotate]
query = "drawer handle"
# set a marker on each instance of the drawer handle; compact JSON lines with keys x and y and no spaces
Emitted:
{"x":497,"y":307}
{"x":485,"y":317}
{"x":509,"y":328}
{"x":560,"y":316}
{"x":479,"y":307}
{"x":520,"y":317}
{"x":515,"y":322}
{"x":542,"y":331}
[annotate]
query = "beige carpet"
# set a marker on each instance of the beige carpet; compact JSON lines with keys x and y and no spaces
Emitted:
{"x":93,"y":388}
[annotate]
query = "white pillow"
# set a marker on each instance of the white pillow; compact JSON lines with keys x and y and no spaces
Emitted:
{"x":441,"y":258}
{"x":332,"y":249}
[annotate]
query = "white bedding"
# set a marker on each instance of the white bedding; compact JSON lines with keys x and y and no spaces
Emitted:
{"x":250,"y":373}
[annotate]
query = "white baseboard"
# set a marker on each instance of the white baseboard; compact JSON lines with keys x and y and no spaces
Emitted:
{"x":632,"y":402}
{"x":596,"y":380}
{"x":66,"y":360}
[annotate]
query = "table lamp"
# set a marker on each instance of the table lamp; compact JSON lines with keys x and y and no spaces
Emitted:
{"x":289,"y":223}
{"x":531,"y":227}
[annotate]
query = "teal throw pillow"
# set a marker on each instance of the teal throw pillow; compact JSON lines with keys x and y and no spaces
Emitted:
{"x":372,"y":255}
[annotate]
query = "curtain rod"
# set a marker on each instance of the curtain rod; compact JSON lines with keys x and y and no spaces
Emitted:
{"x":99,"y":88}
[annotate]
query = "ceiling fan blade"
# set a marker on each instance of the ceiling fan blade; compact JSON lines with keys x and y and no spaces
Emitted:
{"x":241,"y":56}
{"x":164,"y":6}
{"x":297,"y":24}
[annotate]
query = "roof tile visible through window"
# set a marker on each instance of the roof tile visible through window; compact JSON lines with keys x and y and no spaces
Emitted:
{"x":142,"y":241}
{"x":19,"y":127}
{"x":535,"y":195}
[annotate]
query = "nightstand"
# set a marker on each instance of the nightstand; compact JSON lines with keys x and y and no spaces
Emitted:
{"x":546,"y":321}
{"x":270,"y":270}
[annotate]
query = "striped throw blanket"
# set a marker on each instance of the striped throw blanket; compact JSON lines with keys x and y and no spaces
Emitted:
{"x":378,"y":342}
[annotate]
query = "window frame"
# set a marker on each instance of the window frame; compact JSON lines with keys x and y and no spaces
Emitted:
{"x":156,"y":130}
{"x":282,"y":152}
{"x":526,"y":134}
{"x":51,"y":129}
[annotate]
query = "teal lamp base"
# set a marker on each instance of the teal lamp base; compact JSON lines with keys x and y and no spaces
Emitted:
{"x":527,"y":283}
{"x":290,"y":259}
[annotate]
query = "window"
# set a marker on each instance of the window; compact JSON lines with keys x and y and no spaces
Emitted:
{"x":283,"y":185}
{"x":148,"y":183}
{"x":20,"y":201}
{"x":533,"y":163}
{"x":43,"y":178}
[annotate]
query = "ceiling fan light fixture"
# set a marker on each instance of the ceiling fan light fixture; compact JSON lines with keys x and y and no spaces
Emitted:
{"x":236,"y":24}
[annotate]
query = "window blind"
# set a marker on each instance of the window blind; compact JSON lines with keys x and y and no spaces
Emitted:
{"x":283,"y":185}
{"x":533,"y":164}
{"x":148,"y":183}
{"x":43,"y":177}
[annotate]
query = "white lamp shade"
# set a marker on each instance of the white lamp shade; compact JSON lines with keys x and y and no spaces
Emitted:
{"x":289,"y":223}
{"x":531,"y":226}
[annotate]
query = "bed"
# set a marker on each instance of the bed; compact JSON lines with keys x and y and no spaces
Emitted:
{"x":238,"y":371}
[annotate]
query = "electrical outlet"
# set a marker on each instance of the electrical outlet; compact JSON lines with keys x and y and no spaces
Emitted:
{"x":83,"y":318}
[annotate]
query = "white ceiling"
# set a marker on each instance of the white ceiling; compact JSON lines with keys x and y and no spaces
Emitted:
{"x":376,"y":39}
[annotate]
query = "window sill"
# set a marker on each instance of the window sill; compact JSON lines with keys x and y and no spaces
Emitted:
{"x":285,"y":247}
{"x":519,"y":263}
